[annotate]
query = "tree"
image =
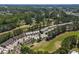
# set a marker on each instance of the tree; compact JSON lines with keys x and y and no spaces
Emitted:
{"x":61,"y":51}
{"x":5,"y":36}
{"x":25,"y":49}
{"x":28,"y":18}
{"x":76,"y":24}
{"x":69,"y":42}
{"x":17,"y":31}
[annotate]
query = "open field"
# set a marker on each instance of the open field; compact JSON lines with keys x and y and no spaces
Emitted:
{"x":53,"y":44}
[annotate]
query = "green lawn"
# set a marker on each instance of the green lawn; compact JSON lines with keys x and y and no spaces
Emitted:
{"x":53,"y":44}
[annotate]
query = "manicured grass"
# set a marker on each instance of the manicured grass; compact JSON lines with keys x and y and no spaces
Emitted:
{"x":53,"y":44}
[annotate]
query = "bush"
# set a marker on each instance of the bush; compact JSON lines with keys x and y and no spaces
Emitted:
{"x":5,"y":36}
{"x":61,"y":51}
{"x":69,"y":42}
{"x":17,"y":32}
{"x":25,"y":49}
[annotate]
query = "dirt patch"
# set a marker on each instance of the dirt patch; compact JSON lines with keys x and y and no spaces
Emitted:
{"x":58,"y":44}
